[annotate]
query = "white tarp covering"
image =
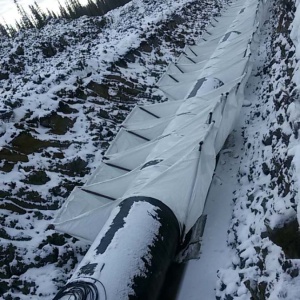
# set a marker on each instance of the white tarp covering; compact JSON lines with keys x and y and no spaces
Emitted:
{"x":105,"y":172}
{"x":151,"y":112}
{"x":167,"y":151}
{"x":80,"y":210}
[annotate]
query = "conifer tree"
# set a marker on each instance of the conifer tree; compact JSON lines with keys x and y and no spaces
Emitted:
{"x":42,"y":14}
{"x":92,"y":9}
{"x":12,"y":30}
{"x":18,"y":26}
{"x":51,"y":14}
{"x":101,"y":7}
{"x":77,"y":8}
{"x":26,"y":23}
{"x":39,"y":17}
{"x":69,"y":9}
{"x":62,"y":11}
{"x":3,"y":31}
{"x":72,"y":9}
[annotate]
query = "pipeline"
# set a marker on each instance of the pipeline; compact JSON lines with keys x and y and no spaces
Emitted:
{"x":149,"y":191}
{"x":130,"y":256}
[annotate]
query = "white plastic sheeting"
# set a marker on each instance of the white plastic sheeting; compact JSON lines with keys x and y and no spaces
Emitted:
{"x":167,"y":151}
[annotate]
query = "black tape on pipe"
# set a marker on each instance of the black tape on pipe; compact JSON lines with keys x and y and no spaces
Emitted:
{"x":89,"y":281}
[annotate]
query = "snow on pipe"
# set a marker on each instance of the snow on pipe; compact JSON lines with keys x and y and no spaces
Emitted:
{"x":150,"y":189}
{"x":130,"y":256}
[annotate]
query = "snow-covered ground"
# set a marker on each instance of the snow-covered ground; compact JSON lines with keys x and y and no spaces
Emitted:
{"x":200,"y":276}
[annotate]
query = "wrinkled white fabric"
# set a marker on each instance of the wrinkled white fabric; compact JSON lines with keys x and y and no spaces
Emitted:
{"x":167,"y":151}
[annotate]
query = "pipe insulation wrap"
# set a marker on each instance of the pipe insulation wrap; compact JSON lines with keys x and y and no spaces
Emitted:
{"x":151,"y":188}
{"x":130,"y":256}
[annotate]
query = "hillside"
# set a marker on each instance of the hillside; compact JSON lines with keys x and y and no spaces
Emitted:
{"x":65,"y":91}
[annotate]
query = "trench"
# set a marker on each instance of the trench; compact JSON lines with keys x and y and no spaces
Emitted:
{"x":197,"y":279}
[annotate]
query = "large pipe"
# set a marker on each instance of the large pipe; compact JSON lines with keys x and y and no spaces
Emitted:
{"x":131,"y":255}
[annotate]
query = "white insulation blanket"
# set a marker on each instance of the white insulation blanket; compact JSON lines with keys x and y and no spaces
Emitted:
{"x":167,"y":151}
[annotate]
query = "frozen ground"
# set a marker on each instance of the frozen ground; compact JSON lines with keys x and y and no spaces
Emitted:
{"x":201,"y":275}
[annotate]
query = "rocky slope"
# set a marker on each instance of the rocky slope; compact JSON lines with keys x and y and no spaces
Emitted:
{"x":264,"y":233}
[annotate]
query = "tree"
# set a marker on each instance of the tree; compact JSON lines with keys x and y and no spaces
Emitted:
{"x":92,"y":9}
{"x":41,"y":13}
{"x":62,"y":11}
{"x":77,"y":8}
{"x":39,"y":17}
{"x":102,"y":9}
{"x":26,"y":23}
{"x":3,"y":31}
{"x":18,"y":26}
{"x":10,"y":29}
{"x":51,"y":14}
